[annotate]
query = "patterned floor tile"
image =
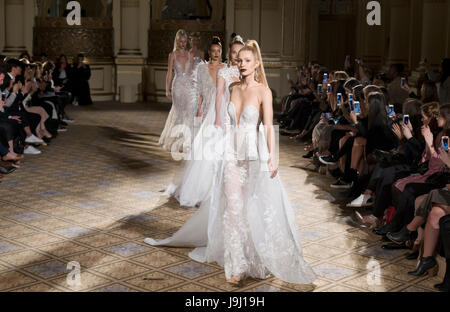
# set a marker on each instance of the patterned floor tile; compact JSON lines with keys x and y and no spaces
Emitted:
{"x":38,"y":239}
{"x":49,"y":269}
{"x":191,"y":269}
{"x":6,"y":247}
{"x":158,"y":259}
{"x":381,"y":253}
{"x":14,"y":279}
{"x":41,"y":287}
{"x":91,"y":258}
{"x":116,"y":288}
{"x":121,"y":270}
{"x":99,"y":240}
{"x":87,"y":281}
{"x":128,"y":249}
{"x":332,"y":272}
{"x":73,"y":232}
{"x":63,"y":249}
{"x":23,"y":258}
{"x":155,"y":281}
{"x":25,"y":217}
{"x":373,"y":283}
{"x":16,"y":231}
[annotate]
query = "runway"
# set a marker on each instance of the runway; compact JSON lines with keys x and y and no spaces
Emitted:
{"x":94,"y":195}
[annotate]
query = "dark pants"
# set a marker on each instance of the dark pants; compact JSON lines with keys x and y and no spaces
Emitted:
{"x":336,"y":136}
{"x":383,"y":189}
{"x":404,"y":202}
{"x":444,"y":229}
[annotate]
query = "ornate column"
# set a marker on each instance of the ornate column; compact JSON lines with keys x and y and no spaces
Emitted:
{"x":399,"y":32}
{"x":434,"y":36}
{"x":370,"y":39}
{"x":18,"y":35}
{"x":131,"y":24}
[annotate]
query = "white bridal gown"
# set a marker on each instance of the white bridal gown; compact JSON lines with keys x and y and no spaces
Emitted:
{"x":194,"y":184}
{"x":181,"y":117}
{"x":247,"y":225}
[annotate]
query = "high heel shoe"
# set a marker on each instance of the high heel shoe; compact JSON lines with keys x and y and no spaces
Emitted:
{"x":426,"y":265}
{"x":237,"y":284}
{"x":445,"y":285}
{"x":402,"y":236}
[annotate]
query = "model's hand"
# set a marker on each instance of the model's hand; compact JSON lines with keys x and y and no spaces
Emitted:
{"x":272,"y":168}
{"x":169,"y":95}
{"x":218,"y":123}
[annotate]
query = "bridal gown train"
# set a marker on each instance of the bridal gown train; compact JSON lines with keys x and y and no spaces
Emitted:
{"x":194,"y":183}
{"x":247,"y":225}
{"x":181,"y":116}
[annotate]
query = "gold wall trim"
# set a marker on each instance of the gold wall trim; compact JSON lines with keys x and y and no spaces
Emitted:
{"x":128,"y":72}
{"x":129,"y":61}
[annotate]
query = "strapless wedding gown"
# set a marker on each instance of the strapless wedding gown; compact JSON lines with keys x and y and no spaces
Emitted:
{"x":247,"y":225}
{"x":193,"y":184}
{"x":178,"y":127}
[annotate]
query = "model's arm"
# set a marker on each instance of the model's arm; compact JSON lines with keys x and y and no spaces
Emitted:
{"x":267,"y":107}
{"x":191,"y":63}
{"x":169,"y":76}
{"x":220,"y":90}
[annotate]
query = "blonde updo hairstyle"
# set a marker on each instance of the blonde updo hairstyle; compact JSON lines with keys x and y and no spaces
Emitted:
{"x":260,"y":74}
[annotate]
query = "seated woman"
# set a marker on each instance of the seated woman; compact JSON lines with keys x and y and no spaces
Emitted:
{"x":405,"y":191}
{"x":433,"y":208}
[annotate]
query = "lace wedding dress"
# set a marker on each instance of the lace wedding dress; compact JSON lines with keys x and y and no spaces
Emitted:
{"x":177,"y":130}
{"x":247,"y":225}
{"x":194,"y":183}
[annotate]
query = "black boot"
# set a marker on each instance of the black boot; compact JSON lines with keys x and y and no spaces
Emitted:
{"x":413,"y":256}
{"x":401,"y":237}
{"x":426,"y":265}
{"x":445,"y":285}
{"x":383,"y":230}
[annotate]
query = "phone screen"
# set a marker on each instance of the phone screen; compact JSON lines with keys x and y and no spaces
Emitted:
{"x":325,"y":77}
{"x":3,"y":96}
{"x":357,"y":108}
{"x":406,"y":119}
{"x":339,"y":98}
{"x":319,"y":89}
{"x":403,"y":82}
{"x":391,"y":111}
{"x":445,"y":143}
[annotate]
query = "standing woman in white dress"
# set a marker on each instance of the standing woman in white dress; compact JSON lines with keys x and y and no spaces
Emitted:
{"x":194,"y":183}
{"x":181,"y":117}
{"x":197,"y":53}
{"x":251,"y":226}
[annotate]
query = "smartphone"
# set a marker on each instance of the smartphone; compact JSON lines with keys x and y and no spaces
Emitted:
{"x":357,"y":107}
{"x":329,"y":89}
{"x":351,"y":102}
{"x":326,"y":115}
{"x":339,"y":99}
{"x":445,"y":143}
{"x":319,"y":88}
{"x":336,"y":121}
{"x":406,"y":119}
{"x":325,"y":77}
{"x":403,"y":82}
{"x":350,"y":97}
{"x":3,"y":96}
{"x":391,"y":111}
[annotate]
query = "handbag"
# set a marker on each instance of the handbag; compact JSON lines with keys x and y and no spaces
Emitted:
{"x":18,"y":145}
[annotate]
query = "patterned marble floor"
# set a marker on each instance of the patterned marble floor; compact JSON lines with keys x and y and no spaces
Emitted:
{"x":93,"y":196}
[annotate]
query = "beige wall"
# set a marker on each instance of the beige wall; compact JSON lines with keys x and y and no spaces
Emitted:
{"x":290,"y":32}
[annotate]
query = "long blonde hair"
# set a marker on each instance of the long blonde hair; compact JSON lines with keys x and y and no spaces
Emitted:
{"x":253,"y":46}
{"x":180,"y":33}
